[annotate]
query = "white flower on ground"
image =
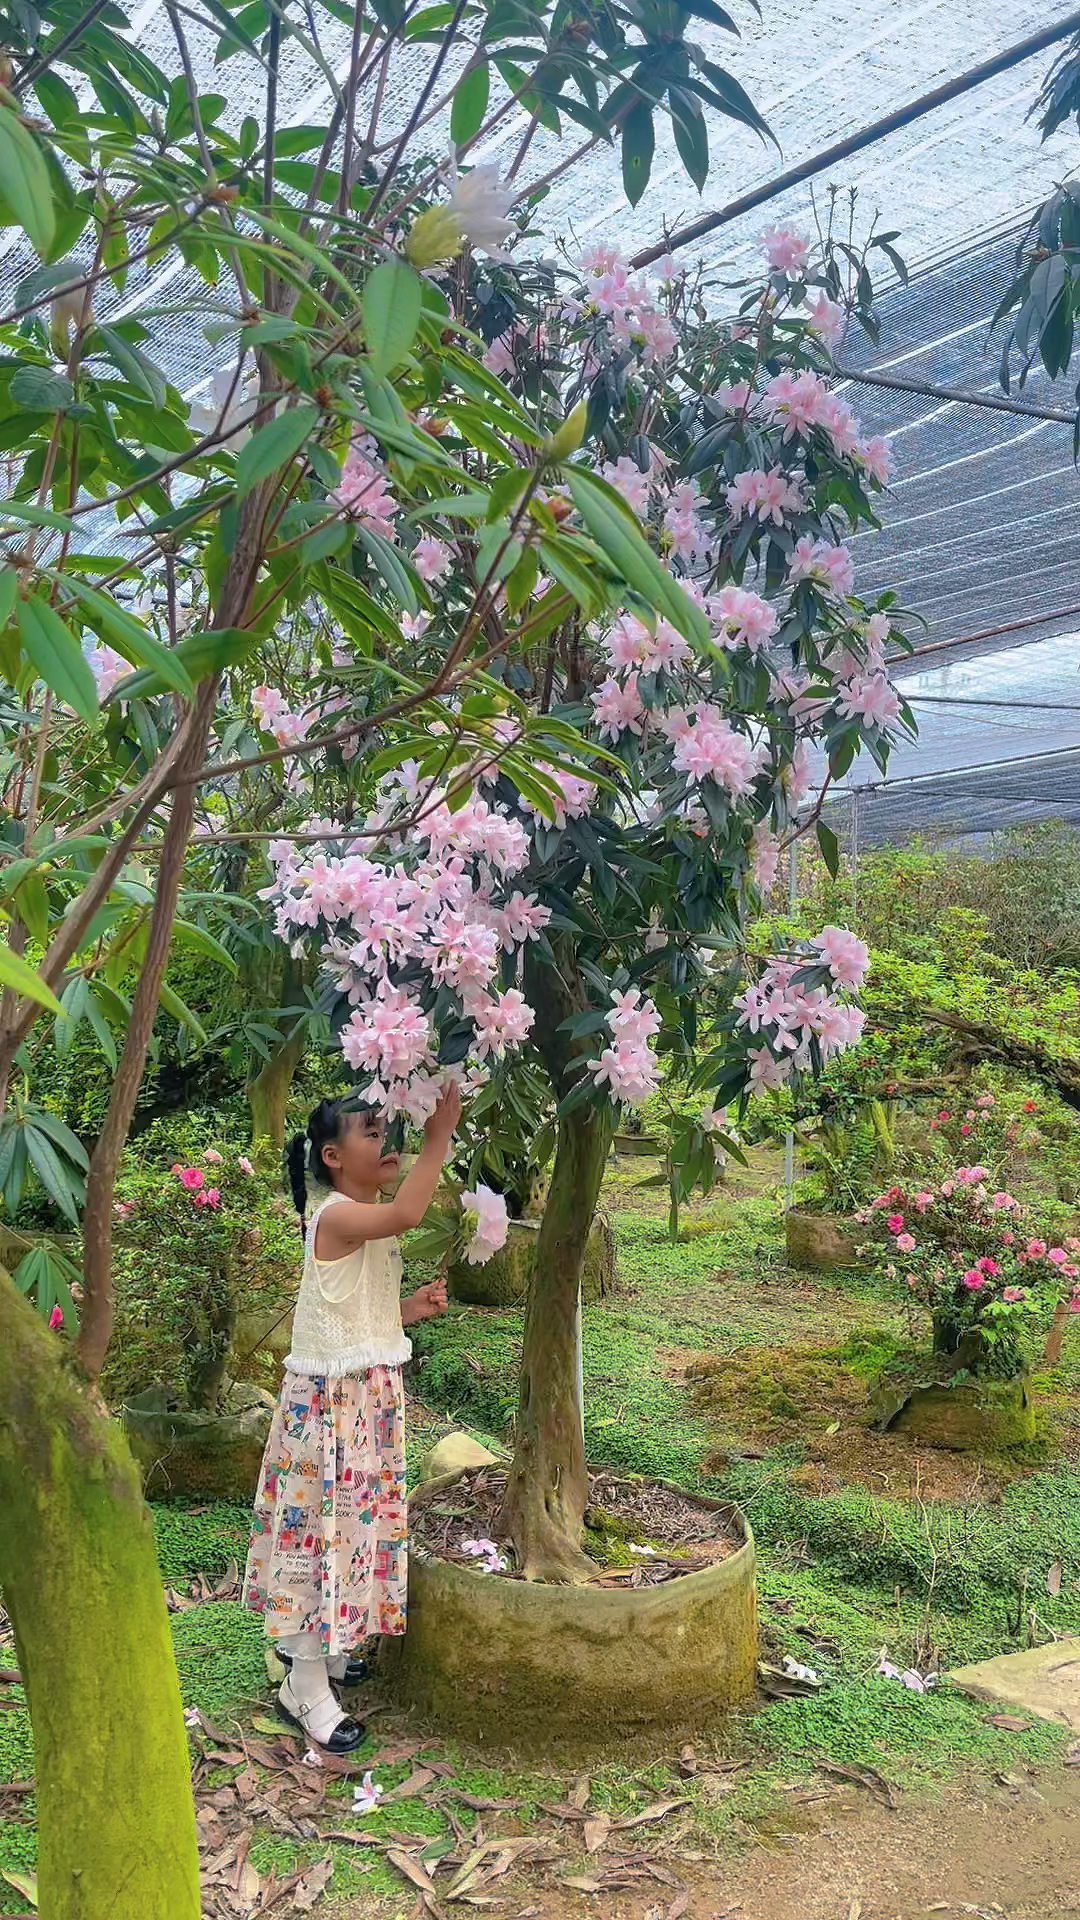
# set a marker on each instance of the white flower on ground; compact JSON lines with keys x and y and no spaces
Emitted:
{"x":367,"y":1795}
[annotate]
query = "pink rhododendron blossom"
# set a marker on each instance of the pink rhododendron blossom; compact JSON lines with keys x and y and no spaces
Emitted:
{"x":827,"y":319}
{"x":244,"y":1164}
{"x":895,"y":1223}
{"x":765,"y":495}
{"x":711,"y":749}
{"x":822,"y":563}
{"x":390,"y":1035}
{"x":618,"y":707}
{"x":628,"y":1067}
{"x":923,"y":1200}
{"x":795,"y":401}
{"x":846,"y":956}
{"x":364,"y":491}
{"x":192,"y":1178}
{"x":764,"y":855}
{"x":627,"y":478}
{"x":56,"y":1319}
{"x":905,"y":1243}
{"x":686,"y":536}
{"x":1035,"y":1249}
{"x":502,"y":1022}
{"x":212,"y":1157}
{"x":1012,"y":1294}
{"x":785,"y":250}
{"x":432,"y":559}
{"x":1057,"y":1257}
{"x":869,"y":697}
{"x":744,"y":619}
{"x":108,"y":668}
{"x":973,"y":1280}
{"x":876,"y":456}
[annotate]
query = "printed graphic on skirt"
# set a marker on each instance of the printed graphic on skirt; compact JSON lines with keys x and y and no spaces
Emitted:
{"x":328,"y":1538}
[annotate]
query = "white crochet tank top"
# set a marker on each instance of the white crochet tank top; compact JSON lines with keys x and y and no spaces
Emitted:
{"x":348,"y":1311}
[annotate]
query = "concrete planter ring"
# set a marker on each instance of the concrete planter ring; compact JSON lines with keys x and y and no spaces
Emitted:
{"x":546,"y":1671}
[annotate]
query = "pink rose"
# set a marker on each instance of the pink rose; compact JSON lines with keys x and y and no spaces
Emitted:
{"x":1035,"y":1249}
{"x":905,"y":1243}
{"x":1012,"y":1294}
{"x":895,"y":1223}
{"x":973,"y":1280}
{"x":244,"y":1164}
{"x":213,"y":1197}
{"x":924,"y":1200}
{"x":1007,"y":1238}
{"x":943,"y":1116}
{"x":1057,"y":1257}
{"x":965,"y":1129}
{"x":192,"y":1178}
{"x":212,"y":1157}
{"x":989,"y":1267}
{"x":947,"y":1189}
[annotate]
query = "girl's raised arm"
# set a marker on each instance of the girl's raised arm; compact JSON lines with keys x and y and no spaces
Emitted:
{"x":344,"y":1227}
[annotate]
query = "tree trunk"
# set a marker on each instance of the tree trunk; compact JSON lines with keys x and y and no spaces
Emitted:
{"x":80,"y":1580}
{"x":1056,"y":1335}
{"x":547,"y":1489}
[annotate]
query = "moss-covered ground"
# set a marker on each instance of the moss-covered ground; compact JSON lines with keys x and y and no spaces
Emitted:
{"x":717,"y":1367}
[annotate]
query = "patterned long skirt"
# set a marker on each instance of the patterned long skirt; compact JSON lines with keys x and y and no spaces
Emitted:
{"x":328,"y":1553}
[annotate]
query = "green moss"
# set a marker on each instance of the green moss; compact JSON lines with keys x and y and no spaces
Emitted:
{"x":202,"y":1539}
{"x":220,"y":1655}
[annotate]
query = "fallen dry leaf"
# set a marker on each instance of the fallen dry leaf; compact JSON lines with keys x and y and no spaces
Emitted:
{"x":867,"y":1777}
{"x":1053,"y":1580}
{"x":411,"y":1869}
{"x":597,"y":1829}
{"x":314,"y":1883}
{"x":678,"y":1906}
{"x":688,"y":1765}
{"x":1072,"y":1755}
{"x":658,"y":1811}
{"x":418,"y":1780}
{"x":579,"y":1796}
{"x":1009,"y":1722}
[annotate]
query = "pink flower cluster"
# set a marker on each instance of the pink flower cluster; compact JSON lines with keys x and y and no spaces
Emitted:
{"x":193,"y":1180}
{"x":742,"y":618}
{"x":766,"y":495}
{"x":628,"y":1066}
{"x":823,"y":564}
{"x":274,"y":716}
{"x":630,"y":645}
{"x":791,"y":1016}
{"x":364,"y":489}
{"x":708,"y":747}
{"x":633,"y":318}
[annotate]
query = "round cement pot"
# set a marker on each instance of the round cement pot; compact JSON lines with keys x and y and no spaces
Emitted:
{"x":503,"y":1281}
{"x":640,"y":1146}
{"x":261,"y":1334}
{"x":818,"y":1241}
{"x":212,"y":1456}
{"x":975,"y":1416}
{"x":546,"y":1671}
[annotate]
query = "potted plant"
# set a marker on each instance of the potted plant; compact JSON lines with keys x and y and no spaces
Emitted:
{"x":965,"y":1254}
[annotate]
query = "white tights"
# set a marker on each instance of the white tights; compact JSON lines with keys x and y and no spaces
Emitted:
{"x":309,"y":1680}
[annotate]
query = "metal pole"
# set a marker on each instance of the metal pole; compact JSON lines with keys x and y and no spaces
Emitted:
{"x":877,"y":130}
{"x":579,"y":1366}
{"x":789,"y":1137}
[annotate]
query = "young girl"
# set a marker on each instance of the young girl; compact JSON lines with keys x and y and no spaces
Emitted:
{"x":327,"y":1560}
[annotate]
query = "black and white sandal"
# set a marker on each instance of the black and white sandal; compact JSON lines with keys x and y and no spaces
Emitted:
{"x":323,"y":1725}
{"x":356,"y":1672}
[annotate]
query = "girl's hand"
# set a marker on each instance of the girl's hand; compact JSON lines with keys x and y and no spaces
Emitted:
{"x":446,"y":1115}
{"x":427,"y":1302}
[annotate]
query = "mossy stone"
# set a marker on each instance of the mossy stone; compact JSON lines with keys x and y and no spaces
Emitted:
{"x":504,"y":1279}
{"x":818,"y":1242}
{"x":568,"y":1672}
{"x":974,"y":1416}
{"x":207,"y":1455}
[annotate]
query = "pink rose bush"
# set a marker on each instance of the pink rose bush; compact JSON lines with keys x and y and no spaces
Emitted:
{"x":980,"y":1279}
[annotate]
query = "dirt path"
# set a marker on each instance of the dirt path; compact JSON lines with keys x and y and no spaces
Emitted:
{"x":1009,"y":1852}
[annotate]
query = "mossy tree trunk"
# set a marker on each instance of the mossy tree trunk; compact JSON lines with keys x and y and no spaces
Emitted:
{"x":268,"y":1091}
{"x":547,"y":1488}
{"x":80,"y":1580}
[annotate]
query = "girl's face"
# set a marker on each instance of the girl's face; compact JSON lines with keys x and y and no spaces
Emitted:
{"x":355,"y":1161}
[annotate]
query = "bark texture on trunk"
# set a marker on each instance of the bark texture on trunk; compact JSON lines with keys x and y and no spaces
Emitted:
{"x":269,"y":1089}
{"x":547,"y":1489}
{"x":80,"y":1579}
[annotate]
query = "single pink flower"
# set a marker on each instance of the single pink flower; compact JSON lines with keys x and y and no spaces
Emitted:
{"x":989,"y":1267}
{"x":1058,"y":1257}
{"x":56,"y":1319}
{"x":192,"y":1178}
{"x":1012,"y":1294}
{"x":244,"y":1164}
{"x":895,"y":1223}
{"x":212,"y":1157}
{"x":1007,"y":1238}
{"x":965,"y":1130}
{"x":974,"y":1280}
{"x":943,"y":1115}
{"x":924,"y":1200}
{"x":213,"y":1197}
{"x":905,"y":1243}
{"x":1035,"y":1249}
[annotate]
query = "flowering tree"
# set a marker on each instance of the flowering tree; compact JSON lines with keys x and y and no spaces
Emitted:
{"x":157,"y":551}
{"x":591,"y":905}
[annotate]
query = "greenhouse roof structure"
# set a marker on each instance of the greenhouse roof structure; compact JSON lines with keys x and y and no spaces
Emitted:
{"x":979,"y":533}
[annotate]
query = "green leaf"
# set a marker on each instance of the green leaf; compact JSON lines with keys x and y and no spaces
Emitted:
{"x":56,"y":654}
{"x":830,"y":848}
{"x":273,"y":446}
{"x":201,"y":654}
{"x":182,"y":1014}
{"x":60,"y":1183}
{"x":37,"y":516}
{"x":69,"y":1143}
{"x":618,"y":534}
{"x":32,"y":905}
{"x":390,"y":308}
{"x":21,"y":978}
{"x":638,"y":145}
{"x":205,"y":943}
{"x":24,"y":1883}
{"x":40,"y":390}
{"x":734,"y":100}
{"x":388,"y":563}
{"x":26,"y":185}
{"x":130,"y":638}
{"x":691,"y":135}
{"x":470,"y":105}
{"x":141,"y":372}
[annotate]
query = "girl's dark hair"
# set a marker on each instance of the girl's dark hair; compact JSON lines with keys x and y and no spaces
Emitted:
{"x":303,"y":1155}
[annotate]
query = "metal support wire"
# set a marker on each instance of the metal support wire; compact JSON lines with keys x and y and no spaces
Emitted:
{"x":855,"y":142}
{"x":927,"y":390}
